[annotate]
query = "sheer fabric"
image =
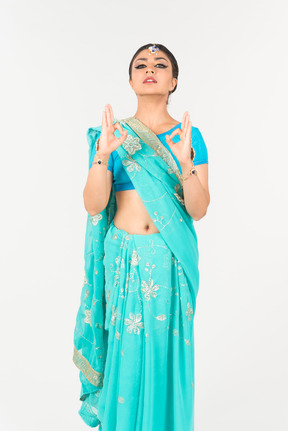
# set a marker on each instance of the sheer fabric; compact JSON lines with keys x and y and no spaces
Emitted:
{"x":133,"y":339}
{"x":121,"y":180}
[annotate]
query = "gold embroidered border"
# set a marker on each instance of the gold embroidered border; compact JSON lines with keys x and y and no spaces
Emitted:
{"x":152,"y":140}
{"x":93,"y":376}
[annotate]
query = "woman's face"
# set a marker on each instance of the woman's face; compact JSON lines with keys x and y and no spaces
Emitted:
{"x":155,"y":66}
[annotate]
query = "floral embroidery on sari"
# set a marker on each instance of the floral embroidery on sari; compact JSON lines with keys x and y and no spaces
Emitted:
{"x":134,"y":323}
{"x":158,"y":308}
{"x":147,"y":135}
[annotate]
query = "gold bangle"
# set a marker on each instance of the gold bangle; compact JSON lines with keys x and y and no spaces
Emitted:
{"x":99,"y":161}
{"x":192,"y":171}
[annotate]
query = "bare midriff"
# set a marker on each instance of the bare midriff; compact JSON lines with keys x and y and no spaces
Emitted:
{"x":131,"y":214}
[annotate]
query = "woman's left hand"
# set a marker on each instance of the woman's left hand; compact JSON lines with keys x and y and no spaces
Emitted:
{"x":182,"y":149}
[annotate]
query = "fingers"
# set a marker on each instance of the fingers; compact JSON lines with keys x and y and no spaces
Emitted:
{"x":111,"y":111}
{"x":107,"y":120}
{"x":190,"y":128}
{"x":110,"y":114}
{"x":104,"y":120}
{"x":184,"y":132}
{"x":184,"y":120}
{"x":119,"y":127}
{"x":177,"y":131}
{"x":111,"y":119}
{"x":169,"y":139}
{"x":123,"y":132}
{"x":186,"y":123}
{"x":187,"y":128}
{"x":123,"y":136}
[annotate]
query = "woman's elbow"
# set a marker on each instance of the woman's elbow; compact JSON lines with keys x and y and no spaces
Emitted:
{"x":198,"y":217}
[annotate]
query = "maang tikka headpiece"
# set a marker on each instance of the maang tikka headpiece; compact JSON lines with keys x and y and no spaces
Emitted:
{"x":153,"y":49}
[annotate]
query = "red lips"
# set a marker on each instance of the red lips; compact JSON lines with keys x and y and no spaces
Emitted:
{"x":149,"y":78}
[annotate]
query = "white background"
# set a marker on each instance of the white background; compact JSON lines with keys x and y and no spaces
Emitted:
{"x":61,"y":62}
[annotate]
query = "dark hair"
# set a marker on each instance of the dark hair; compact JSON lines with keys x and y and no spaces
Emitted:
{"x":175,"y":69}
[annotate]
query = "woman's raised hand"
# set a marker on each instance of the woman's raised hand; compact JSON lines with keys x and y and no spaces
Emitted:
{"x":108,"y":141}
{"x":182,"y":149}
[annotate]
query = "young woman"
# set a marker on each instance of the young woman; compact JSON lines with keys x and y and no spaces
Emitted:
{"x":134,"y":334}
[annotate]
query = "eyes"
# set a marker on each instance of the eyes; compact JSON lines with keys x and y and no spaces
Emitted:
{"x":159,"y":64}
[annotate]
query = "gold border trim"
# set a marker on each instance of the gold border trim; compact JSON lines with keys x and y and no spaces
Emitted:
{"x":152,"y":140}
{"x":93,"y":376}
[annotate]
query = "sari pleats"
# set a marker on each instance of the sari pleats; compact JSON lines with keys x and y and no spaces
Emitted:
{"x":148,"y":381}
{"x":134,"y":334}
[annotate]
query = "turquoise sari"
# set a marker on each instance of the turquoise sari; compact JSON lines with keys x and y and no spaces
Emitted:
{"x":156,"y":178}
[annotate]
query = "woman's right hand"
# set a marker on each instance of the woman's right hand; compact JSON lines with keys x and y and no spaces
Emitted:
{"x":108,"y":141}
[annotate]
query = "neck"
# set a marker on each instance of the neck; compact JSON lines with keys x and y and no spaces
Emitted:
{"x":152,"y":111}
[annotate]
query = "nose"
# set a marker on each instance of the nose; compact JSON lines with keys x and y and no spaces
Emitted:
{"x":152,"y":71}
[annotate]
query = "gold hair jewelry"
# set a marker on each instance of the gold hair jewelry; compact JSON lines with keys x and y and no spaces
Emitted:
{"x":153,"y":49}
{"x":99,"y":161}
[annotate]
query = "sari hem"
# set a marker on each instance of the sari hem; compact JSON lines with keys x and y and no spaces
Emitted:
{"x":91,"y":375}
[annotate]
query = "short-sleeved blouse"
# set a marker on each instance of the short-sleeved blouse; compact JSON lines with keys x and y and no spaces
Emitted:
{"x":121,"y":181}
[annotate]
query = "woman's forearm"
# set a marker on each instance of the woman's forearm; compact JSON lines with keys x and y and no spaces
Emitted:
{"x":95,"y":191}
{"x":195,"y":196}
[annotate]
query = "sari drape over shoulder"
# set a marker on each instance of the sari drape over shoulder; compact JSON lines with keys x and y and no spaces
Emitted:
{"x":156,"y":178}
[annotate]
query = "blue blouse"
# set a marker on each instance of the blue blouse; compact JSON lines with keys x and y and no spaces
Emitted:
{"x":121,"y":181}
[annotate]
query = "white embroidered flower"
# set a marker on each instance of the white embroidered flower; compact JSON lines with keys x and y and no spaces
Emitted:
{"x":161,"y":317}
{"x":114,"y":315}
{"x":189,"y":311}
{"x":174,"y":261}
{"x":88,"y":317}
{"x":95,"y":219}
{"x":127,"y":281}
{"x":86,"y":294}
{"x":85,"y":281}
{"x":134,"y":323}
{"x":135,"y":258}
{"x":117,"y":274}
{"x":149,"y":289}
{"x":131,"y":165}
{"x":132,"y":144}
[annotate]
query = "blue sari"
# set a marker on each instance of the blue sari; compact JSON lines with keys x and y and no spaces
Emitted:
{"x":134,"y":333}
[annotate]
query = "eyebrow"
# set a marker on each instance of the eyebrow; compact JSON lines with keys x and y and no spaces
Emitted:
{"x":155,"y":58}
